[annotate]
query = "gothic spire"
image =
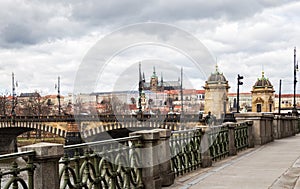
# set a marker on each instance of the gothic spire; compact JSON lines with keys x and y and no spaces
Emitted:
{"x":140,"y":72}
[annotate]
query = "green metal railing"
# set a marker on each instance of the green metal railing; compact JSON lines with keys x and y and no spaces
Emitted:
{"x":241,"y":136}
{"x":103,"y":164}
{"x":185,"y":151}
{"x":13,"y":178}
{"x":219,"y":142}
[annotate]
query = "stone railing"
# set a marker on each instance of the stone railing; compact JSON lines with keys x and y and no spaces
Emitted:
{"x":285,"y":126}
{"x":185,"y":150}
{"x":131,"y":162}
{"x":262,"y":129}
{"x":105,"y":164}
{"x":267,"y":126}
{"x":17,"y":175}
{"x":145,"y":159}
{"x":200,"y":147}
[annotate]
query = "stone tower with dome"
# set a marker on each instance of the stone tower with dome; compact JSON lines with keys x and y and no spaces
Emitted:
{"x":263,"y":95}
{"x":216,"y":94}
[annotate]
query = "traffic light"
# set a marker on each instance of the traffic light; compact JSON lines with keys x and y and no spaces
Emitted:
{"x":239,"y":79}
{"x":239,"y":82}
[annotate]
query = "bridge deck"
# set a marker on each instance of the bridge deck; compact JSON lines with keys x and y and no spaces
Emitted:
{"x":274,"y":165}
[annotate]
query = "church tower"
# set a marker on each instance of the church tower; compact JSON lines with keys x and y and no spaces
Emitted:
{"x":263,"y":95}
{"x":216,"y":94}
{"x":154,"y":81}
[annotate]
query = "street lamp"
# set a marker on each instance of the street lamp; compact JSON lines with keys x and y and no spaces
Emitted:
{"x":239,"y":82}
{"x":141,"y":87}
{"x":14,"y":85}
{"x":58,"y":94}
{"x":294,"y":111}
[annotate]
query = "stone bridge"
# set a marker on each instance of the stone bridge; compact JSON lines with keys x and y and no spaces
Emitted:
{"x":89,"y":126}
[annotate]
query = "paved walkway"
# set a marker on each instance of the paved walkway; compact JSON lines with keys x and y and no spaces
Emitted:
{"x":274,"y":165}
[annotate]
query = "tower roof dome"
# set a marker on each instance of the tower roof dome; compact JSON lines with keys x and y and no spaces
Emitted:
{"x":262,"y":82}
{"x":216,"y":76}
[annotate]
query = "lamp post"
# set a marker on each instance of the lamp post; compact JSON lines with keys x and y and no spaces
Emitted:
{"x":58,"y":94}
{"x":239,"y":82}
{"x":294,"y":111}
{"x":141,"y":86}
{"x":14,"y":84}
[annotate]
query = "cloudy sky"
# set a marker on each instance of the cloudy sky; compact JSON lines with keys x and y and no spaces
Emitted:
{"x":41,"y":40}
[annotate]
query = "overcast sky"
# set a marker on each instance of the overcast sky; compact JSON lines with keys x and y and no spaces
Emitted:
{"x":41,"y":40}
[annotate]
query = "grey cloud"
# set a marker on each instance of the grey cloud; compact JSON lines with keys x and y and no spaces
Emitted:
{"x":31,"y":22}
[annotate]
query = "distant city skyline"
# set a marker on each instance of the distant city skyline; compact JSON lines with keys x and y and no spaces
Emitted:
{"x":41,"y":40}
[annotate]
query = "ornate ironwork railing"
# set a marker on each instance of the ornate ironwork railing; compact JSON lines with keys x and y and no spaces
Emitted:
{"x":13,"y":177}
{"x":185,"y":150}
{"x":104,"y":164}
{"x":219,"y":142}
{"x":241,"y":136}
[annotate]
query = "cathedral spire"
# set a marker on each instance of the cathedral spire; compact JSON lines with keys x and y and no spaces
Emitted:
{"x":154,"y":73}
{"x":140,"y":72}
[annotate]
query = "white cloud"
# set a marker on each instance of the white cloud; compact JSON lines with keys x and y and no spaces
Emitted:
{"x":40,"y":40}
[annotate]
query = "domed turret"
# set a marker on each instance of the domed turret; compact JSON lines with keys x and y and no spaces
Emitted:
{"x":216,"y":94}
{"x":263,"y":82}
{"x":216,"y":77}
{"x":262,"y":95}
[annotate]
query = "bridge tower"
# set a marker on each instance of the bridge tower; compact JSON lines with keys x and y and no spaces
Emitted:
{"x":216,"y":94}
{"x":263,"y":95}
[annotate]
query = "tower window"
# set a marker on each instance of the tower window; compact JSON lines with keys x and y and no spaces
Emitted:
{"x":258,"y":107}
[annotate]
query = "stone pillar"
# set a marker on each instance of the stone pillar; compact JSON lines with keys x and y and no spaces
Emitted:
{"x":232,"y":148}
{"x":262,"y":126}
{"x":206,"y":160}
{"x":46,"y":174}
{"x":8,"y":143}
{"x":167,"y":175}
{"x":149,"y":158}
{"x":250,"y":134}
{"x":278,"y":127}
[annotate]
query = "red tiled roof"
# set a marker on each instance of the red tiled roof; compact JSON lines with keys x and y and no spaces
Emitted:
{"x":53,"y":96}
{"x":234,"y":94}
{"x":200,"y":91}
{"x":287,"y":95}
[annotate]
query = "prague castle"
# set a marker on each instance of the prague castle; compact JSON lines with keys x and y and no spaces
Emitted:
{"x":155,"y":85}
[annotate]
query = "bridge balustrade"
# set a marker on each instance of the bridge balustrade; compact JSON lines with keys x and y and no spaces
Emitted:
{"x":104,"y":164}
{"x":241,"y":136}
{"x":185,"y":150}
{"x":124,"y":162}
{"x":219,"y":142}
{"x":17,"y":174}
{"x":194,"y":148}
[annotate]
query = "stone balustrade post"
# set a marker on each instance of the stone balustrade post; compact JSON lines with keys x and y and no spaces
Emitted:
{"x":46,"y":174}
{"x":231,"y":139}
{"x":206,"y":160}
{"x":250,"y":134}
{"x":262,"y":128}
{"x":149,"y":154}
{"x":167,"y":175}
